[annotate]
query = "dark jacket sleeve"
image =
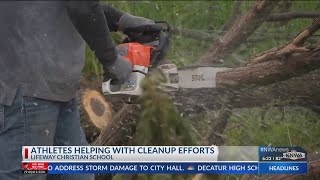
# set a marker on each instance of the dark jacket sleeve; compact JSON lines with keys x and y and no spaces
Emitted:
{"x":113,"y":16}
{"x":89,"y":19}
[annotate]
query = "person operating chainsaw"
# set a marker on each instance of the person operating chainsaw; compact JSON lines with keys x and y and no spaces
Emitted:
{"x":42,"y":52}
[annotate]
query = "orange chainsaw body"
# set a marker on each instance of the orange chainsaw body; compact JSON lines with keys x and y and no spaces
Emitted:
{"x":136,"y":53}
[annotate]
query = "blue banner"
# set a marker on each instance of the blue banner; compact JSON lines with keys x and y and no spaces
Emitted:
{"x":154,"y":168}
{"x":283,"y":168}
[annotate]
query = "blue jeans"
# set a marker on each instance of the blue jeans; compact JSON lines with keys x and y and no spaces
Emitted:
{"x":34,"y":122}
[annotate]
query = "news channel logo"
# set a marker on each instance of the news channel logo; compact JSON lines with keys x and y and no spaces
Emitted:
{"x":294,"y":155}
{"x":282,"y":154}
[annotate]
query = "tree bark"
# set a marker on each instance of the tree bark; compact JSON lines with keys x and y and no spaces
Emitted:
{"x":236,"y":13}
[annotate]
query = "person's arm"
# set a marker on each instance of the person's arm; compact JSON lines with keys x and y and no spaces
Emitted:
{"x":89,"y":19}
{"x":121,"y":21}
{"x":113,"y":16}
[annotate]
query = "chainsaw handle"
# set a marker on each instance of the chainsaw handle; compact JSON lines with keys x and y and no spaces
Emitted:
{"x":143,"y":34}
{"x":158,"y":26}
{"x":131,"y":86}
{"x":108,"y":88}
{"x":162,"y":48}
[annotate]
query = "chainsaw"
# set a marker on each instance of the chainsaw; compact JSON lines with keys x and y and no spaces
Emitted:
{"x":146,"y":57}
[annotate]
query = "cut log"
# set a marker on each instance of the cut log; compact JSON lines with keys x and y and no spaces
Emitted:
{"x":95,"y":112}
{"x":96,"y":108}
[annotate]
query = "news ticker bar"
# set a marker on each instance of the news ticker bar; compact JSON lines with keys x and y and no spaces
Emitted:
{"x":166,"y":168}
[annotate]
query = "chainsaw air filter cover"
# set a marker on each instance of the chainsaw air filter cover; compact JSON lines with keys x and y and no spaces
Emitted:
{"x":136,"y":53}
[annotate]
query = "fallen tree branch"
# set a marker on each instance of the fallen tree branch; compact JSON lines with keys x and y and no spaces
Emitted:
{"x":295,"y":46}
{"x":292,"y":15}
{"x":271,"y":71}
{"x":238,"y":32}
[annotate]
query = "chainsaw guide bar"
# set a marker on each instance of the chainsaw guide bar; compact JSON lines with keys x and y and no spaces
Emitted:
{"x":192,"y":77}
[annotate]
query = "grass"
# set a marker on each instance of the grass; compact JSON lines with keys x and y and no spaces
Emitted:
{"x":279,"y":127}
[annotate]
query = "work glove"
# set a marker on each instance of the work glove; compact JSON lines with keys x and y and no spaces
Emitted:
{"x":139,"y":29}
{"x":118,"y":72}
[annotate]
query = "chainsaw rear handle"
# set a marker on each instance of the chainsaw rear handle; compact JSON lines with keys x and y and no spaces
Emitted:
{"x":154,"y":28}
{"x":162,"y":48}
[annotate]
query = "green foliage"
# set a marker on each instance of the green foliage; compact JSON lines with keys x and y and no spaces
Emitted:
{"x":159,"y":123}
{"x":91,"y":66}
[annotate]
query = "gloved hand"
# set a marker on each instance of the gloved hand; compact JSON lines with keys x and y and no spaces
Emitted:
{"x":118,"y":72}
{"x":141,"y":29}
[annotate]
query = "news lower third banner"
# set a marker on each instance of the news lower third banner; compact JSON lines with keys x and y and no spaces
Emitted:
{"x":163,"y":160}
